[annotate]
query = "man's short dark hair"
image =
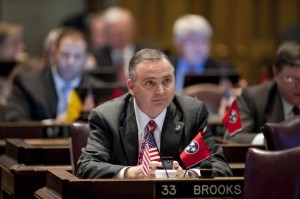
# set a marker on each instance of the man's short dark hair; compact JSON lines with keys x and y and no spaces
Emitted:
{"x":71,"y":32}
{"x":145,"y":54}
{"x":288,"y":54}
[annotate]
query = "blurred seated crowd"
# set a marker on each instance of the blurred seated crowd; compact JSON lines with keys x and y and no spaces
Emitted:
{"x":42,"y":89}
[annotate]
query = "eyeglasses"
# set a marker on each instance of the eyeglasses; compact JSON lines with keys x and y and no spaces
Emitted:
{"x":291,"y":80}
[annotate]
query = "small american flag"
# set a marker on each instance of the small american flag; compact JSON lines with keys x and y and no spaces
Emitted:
{"x":150,"y":153}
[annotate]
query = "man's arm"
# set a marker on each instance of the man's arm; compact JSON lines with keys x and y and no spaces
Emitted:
{"x":96,"y":158}
{"x":18,"y":107}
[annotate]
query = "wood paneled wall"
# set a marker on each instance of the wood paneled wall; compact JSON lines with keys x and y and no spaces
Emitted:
{"x":246,"y":32}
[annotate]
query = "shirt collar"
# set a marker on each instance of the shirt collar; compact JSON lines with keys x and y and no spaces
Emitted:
{"x":287,"y":108}
{"x":59,"y":82}
{"x":142,"y":119}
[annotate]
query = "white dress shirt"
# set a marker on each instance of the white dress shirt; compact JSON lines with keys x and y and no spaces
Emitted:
{"x":59,"y":84}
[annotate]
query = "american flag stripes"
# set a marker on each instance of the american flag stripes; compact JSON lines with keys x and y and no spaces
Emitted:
{"x":150,"y":154}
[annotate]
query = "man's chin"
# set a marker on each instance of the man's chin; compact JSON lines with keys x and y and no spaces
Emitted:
{"x":69,"y":77}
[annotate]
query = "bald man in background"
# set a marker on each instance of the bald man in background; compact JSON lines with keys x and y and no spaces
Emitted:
{"x":120,"y":30}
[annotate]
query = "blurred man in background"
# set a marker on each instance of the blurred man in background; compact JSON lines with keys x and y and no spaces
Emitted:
{"x":192,"y":38}
{"x":120,"y":42}
{"x":12,"y":52}
{"x":40,"y":94}
{"x":272,"y":101}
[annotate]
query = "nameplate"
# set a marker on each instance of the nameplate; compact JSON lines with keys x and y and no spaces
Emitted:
{"x":53,"y":131}
{"x":198,"y":188}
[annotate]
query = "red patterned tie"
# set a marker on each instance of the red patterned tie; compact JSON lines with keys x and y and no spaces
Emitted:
{"x":150,"y":129}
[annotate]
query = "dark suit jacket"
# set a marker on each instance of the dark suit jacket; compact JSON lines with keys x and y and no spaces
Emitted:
{"x":103,"y":55}
{"x":33,"y":96}
{"x":113,"y":139}
{"x":257,"y":105}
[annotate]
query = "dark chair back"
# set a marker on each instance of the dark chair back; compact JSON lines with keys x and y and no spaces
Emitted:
{"x":272,"y":174}
{"x":283,"y":135}
{"x":210,"y":94}
{"x":79,"y":133}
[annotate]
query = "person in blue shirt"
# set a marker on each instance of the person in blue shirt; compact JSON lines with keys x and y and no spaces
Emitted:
{"x":192,"y":38}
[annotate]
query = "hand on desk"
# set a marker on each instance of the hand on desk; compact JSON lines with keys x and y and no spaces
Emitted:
{"x":136,"y":171}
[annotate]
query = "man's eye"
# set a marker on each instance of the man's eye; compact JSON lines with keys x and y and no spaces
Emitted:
{"x":167,"y":81}
{"x":65,"y":54}
{"x":149,"y":83}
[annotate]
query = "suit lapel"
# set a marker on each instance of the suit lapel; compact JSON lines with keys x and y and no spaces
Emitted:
{"x":171,"y":135}
{"x":51,"y":94}
{"x":129,"y":134}
{"x":274,"y":110}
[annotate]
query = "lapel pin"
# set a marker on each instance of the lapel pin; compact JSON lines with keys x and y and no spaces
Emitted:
{"x":177,"y":129}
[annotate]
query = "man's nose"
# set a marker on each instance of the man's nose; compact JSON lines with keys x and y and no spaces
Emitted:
{"x":160,"y":89}
{"x":70,"y":59}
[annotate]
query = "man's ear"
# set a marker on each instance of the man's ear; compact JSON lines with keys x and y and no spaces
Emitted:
{"x":130,"y":86}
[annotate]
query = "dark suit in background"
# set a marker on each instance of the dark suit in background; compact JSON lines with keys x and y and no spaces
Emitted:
{"x":257,"y":105}
{"x":113,"y":140}
{"x":103,"y":55}
{"x":33,"y":96}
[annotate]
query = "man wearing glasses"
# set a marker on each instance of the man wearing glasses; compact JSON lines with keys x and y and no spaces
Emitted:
{"x":273,"y":101}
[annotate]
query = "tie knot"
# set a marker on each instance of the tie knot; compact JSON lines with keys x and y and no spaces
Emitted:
{"x":66,"y":87}
{"x":296,"y":110}
{"x":151,"y":126}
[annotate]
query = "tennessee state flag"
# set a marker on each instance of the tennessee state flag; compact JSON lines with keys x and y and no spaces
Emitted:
{"x":195,"y":152}
{"x":232,"y":119}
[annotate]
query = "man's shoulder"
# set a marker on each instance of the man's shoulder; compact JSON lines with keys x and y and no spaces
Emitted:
{"x":261,"y":88}
{"x":187,"y":102}
{"x":33,"y":74}
{"x":259,"y":94}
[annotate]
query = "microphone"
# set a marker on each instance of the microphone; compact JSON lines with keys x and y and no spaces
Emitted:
{"x":206,"y":169}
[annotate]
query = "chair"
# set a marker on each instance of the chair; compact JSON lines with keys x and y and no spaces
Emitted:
{"x":272,"y":174}
{"x":79,"y":133}
{"x":210,"y":94}
{"x":283,"y":135}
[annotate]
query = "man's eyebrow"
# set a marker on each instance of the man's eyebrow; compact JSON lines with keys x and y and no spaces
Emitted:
{"x":167,"y":76}
{"x":149,"y":78}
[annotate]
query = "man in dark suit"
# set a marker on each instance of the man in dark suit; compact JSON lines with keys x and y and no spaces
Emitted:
{"x":117,"y":127}
{"x":120,"y":46}
{"x":192,"y":38}
{"x":43,"y":94}
{"x":273,"y":101}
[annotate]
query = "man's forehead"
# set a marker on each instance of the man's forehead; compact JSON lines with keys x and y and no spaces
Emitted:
{"x":69,"y":42}
{"x":295,"y":70}
{"x":153,"y":62}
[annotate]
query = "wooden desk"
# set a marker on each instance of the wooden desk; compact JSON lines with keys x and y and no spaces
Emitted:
{"x":62,"y":184}
{"x":23,"y":166}
{"x":236,"y":156}
{"x":30,"y":130}
{"x":236,"y":153}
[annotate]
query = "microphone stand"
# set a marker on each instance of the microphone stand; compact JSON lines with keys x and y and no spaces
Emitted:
{"x":160,"y":156}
